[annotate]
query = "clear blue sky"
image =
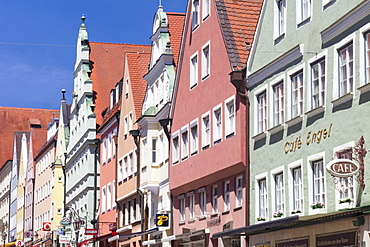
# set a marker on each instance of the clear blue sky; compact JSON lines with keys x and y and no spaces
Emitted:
{"x":38,"y":38}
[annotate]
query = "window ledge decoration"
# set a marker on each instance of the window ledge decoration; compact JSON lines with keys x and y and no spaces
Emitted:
{"x":315,"y":111}
{"x":261,"y":219}
{"x":298,"y":211}
{"x":316,"y":205}
{"x":346,"y":200}
{"x":364,"y":88}
{"x":259,"y":136}
{"x":342,"y":99}
{"x":294,"y":120}
{"x":278,"y":214}
{"x":276,"y":129}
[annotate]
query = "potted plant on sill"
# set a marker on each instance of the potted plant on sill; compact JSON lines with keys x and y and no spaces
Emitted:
{"x":316,"y":205}
{"x":278,"y":214}
{"x":345,"y":200}
{"x":298,"y":211}
{"x":261,"y":219}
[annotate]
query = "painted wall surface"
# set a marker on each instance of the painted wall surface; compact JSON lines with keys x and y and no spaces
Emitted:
{"x":337,"y":124}
{"x":5,"y":175}
{"x":223,"y":160}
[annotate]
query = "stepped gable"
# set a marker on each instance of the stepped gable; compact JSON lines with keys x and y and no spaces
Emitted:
{"x":138,"y":66}
{"x":175,"y":27}
{"x":238,"y":21}
{"x":23,"y":119}
{"x":107,"y":67}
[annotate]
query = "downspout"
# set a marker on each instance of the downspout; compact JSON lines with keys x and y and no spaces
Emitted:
{"x":96,"y":141}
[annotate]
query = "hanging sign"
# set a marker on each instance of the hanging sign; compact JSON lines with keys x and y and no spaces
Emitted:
{"x":46,"y":226}
{"x":65,"y":221}
{"x":162,"y":220}
{"x":343,"y":168}
{"x":91,"y":231}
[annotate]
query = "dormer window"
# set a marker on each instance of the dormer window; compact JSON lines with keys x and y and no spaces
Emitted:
{"x":127,"y":88}
{"x":112,"y":98}
{"x":118,"y":91}
{"x":35,"y":123}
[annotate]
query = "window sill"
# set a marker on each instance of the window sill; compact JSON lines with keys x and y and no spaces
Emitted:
{"x":175,"y":162}
{"x":276,"y":129}
{"x":315,"y":111}
{"x":279,"y":38}
{"x":184,"y":158}
{"x":294,"y":121}
{"x":230,"y":135}
{"x":226,"y":212}
{"x":259,"y":136}
{"x":206,"y":17}
{"x":364,"y":88}
{"x":205,"y":147}
{"x":317,"y":211}
{"x":195,"y":28}
{"x":346,"y":205}
{"x":194,"y":152}
{"x":205,"y":77}
{"x":191,"y":220}
{"x":342,"y":99}
{"x":182,"y":223}
{"x":202,"y":217}
{"x":303,"y":22}
{"x":217,"y":141}
{"x":238,"y":208}
{"x":193,"y":86}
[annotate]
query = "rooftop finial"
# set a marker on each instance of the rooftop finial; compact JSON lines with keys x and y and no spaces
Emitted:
{"x":160,"y":3}
{"x":63,"y":94}
{"x":83,"y":18}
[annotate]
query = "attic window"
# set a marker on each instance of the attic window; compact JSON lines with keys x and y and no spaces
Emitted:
{"x":35,"y":123}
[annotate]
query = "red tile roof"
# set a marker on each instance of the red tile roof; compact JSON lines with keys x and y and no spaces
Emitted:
{"x":138,"y":66}
{"x":175,"y":27}
{"x":20,"y":119}
{"x":107,"y":67}
{"x":238,"y":20}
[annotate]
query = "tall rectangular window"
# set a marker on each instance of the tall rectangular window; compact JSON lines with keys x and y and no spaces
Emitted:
{"x":182,"y":208}
{"x":346,"y":69}
{"x":154,"y":150}
{"x":195,"y":16}
{"x":205,"y":62}
{"x":134,"y":210}
{"x":280,"y":18}
{"x":145,"y":152}
{"x":191,"y":206}
{"x":217,"y":130}
{"x":124,"y":218}
{"x":129,"y":219}
{"x":184,"y":144}
{"x":263,"y":203}
{"x":202,"y":202}
{"x":131,"y":163}
{"x":279,"y":193}
{"x":227,"y":196}
{"x":214,"y":199}
{"x":278,"y":103}
{"x":297,"y":94}
{"x":194,"y":139}
{"x":367,"y":57}
{"x":239,"y":191}
{"x":318,"y":181}
{"x":109,"y":196}
{"x":297,"y":189}
{"x":304,"y":9}
{"x":262,"y":112}
{"x":193,"y":71}
{"x":318,"y":83}
{"x":206,"y":9}
{"x":104,"y":199}
{"x":175,"y":149}
{"x":230,"y":118}
{"x":206,"y":136}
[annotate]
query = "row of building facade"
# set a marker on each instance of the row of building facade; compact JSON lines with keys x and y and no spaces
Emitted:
{"x":244,"y":123}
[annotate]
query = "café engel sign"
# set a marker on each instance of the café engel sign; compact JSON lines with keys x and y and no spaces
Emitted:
{"x":342,"y":167}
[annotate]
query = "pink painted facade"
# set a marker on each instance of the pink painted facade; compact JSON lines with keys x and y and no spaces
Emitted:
{"x":207,"y":107}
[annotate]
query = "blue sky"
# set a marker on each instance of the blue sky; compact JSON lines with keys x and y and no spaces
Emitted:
{"x":38,"y":38}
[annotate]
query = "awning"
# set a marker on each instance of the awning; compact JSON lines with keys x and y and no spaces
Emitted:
{"x":153,"y":241}
{"x":293,"y":221}
{"x":8,"y":244}
{"x":104,"y":237}
{"x":187,"y":237}
{"x":132,"y":235}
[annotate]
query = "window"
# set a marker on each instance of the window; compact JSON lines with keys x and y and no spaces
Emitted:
{"x":112,"y":98}
{"x":129,"y":212}
{"x":227,"y":196}
{"x":367,"y":57}
{"x":130,"y":121}
{"x":297,"y":189}
{"x":346,"y":69}
{"x":184,"y":144}
{"x":217,"y":123}
{"x":214,"y":199}
{"x":127,"y":89}
{"x":145,"y":152}
{"x":193,"y":70}
{"x":318,"y":181}
{"x":206,"y":137}
{"x":104,"y":199}
{"x":109,"y":196}
{"x":304,"y":10}
{"x":195,"y":17}
{"x":280,"y":10}
{"x":182,"y":208}
{"x":279,"y":193}
{"x":297,"y":94}
{"x":202,"y":202}
{"x":175,"y":149}
{"x":239,"y":191}
{"x":205,"y":9}
{"x":278,"y":103}
{"x":124,"y":214}
{"x":131,"y":163}
{"x":191,"y":206}
{"x":194,"y":138}
{"x":205,"y":62}
{"x":104,"y":150}
{"x":125,"y":130}
{"x":263,"y":205}
{"x":262,"y":112}
{"x":134,"y":210}
{"x":345,"y":185}
{"x":318,"y":83}
{"x":230,"y":118}
{"x":154,"y":150}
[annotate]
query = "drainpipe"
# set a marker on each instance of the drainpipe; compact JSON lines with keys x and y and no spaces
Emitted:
{"x":96,"y":141}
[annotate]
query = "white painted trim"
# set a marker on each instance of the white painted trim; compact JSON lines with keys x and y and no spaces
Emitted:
{"x":272,"y":84}
{"x":257,"y":92}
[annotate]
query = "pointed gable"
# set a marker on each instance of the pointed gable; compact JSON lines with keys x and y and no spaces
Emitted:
{"x":138,"y":65}
{"x":107,"y":67}
{"x":238,"y":21}
{"x":175,"y":28}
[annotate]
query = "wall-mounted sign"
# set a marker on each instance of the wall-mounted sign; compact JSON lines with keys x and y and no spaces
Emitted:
{"x":46,"y":226}
{"x":342,"y":167}
{"x":28,"y":234}
{"x":19,"y":243}
{"x":64,"y":239}
{"x":162,"y":220}
{"x":293,"y":243}
{"x":91,"y":231}
{"x":65,"y":221}
{"x":337,"y":240}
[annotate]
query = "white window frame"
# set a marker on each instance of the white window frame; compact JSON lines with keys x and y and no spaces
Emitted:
{"x":175,"y":149}
{"x":195,"y":14}
{"x":214,"y":199}
{"x":194,"y":70}
{"x":206,"y":60}
{"x":125,"y":127}
{"x":346,"y":85}
{"x":184,"y":142}
{"x":217,"y":124}
{"x":206,"y":9}
{"x":104,"y":150}
{"x":280,"y":19}
{"x":202,"y":202}
{"x":297,"y":103}
{"x":293,"y":200}
{"x":261,"y":199}
{"x":127,"y":87}
{"x":227,"y":190}
{"x":144,"y":143}
{"x":322,"y":88}
{"x":278,"y":103}
{"x":230,"y":117}
{"x":365,"y":57}
{"x":310,"y":160}
{"x":191,"y":206}
{"x":109,"y":196}
{"x":278,"y":190}
{"x":154,"y":150}
{"x":302,"y":15}
{"x":104,"y":199}
{"x":206,"y":132}
{"x":182,"y":208}
{"x":194,"y":138}
{"x":261,"y":101}
{"x":239,"y":191}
